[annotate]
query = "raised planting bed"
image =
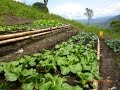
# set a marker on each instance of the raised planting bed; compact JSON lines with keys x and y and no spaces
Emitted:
{"x":4,"y":39}
{"x":72,"y":65}
{"x":40,"y":24}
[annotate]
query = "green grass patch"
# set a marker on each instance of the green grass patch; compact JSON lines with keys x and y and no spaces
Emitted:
{"x":107,"y":33}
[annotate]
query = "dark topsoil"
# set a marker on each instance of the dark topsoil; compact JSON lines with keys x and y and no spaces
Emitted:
{"x":109,"y":69}
{"x":35,"y":45}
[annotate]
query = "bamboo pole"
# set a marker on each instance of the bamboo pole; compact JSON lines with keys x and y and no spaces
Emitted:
{"x":9,"y":36}
{"x":22,"y":38}
{"x":95,"y":82}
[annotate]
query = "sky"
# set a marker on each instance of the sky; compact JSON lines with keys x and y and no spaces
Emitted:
{"x":75,"y":9}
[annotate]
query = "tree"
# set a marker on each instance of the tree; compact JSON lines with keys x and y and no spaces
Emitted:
{"x":45,"y":2}
{"x":41,"y":6}
{"x":89,"y":13}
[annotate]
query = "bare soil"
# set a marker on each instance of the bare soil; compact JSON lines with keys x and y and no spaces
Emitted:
{"x":108,"y":69}
{"x":34,"y":45}
{"x":13,"y":20}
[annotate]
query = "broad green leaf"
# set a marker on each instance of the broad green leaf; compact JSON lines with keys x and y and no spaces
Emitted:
{"x":75,"y":68}
{"x":26,"y":72}
{"x":89,"y":76}
{"x":78,"y":88}
{"x":66,"y":86}
{"x":32,"y":61}
{"x":22,"y":60}
{"x":59,"y":81}
{"x":14,"y":63}
{"x":64,"y":70}
{"x":45,"y":86}
{"x":65,"y":52}
{"x":11,"y":76}
{"x":7,"y":67}
{"x":27,"y":86}
{"x":61,"y":61}
{"x":57,"y":88}
{"x":49,"y":76}
{"x":17,"y":70}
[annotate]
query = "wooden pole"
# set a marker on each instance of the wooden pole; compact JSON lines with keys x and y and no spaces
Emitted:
{"x":22,"y":38}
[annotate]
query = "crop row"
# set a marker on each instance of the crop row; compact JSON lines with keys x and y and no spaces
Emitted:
{"x":114,"y":44}
{"x":52,"y":69}
{"x":35,"y":25}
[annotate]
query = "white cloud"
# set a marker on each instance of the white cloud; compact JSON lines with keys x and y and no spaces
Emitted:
{"x":69,"y":10}
{"x":112,"y":9}
{"x":76,"y":10}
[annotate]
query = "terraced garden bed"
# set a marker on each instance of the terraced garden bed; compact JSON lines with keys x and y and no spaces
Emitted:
{"x":72,"y":65}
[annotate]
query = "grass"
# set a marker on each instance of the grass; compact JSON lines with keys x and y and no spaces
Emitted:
{"x":9,"y":7}
{"x":107,"y":33}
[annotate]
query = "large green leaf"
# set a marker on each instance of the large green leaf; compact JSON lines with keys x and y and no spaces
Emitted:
{"x":45,"y":86}
{"x":11,"y":76}
{"x":14,"y":63}
{"x":78,"y":88}
{"x":75,"y":68}
{"x":32,"y":61}
{"x":66,"y":86}
{"x":64,"y":70}
{"x":27,"y":86}
{"x":26,"y":72}
{"x":61,"y":61}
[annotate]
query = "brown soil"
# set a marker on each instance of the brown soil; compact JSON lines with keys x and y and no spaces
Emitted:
{"x":35,"y":45}
{"x":13,"y":20}
{"x":108,"y":69}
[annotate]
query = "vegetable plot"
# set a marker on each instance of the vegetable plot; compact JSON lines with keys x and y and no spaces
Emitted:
{"x":35,"y":25}
{"x":51,"y":70}
{"x":114,"y":44}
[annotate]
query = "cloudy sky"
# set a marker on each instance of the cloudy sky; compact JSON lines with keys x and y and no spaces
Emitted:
{"x":76,"y":8}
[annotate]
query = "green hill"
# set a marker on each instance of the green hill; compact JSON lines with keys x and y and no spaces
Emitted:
{"x":114,"y":18}
{"x":111,"y":19}
{"x":10,"y":10}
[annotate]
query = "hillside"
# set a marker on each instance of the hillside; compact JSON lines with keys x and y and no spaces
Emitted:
{"x":12,"y":12}
{"x":106,"y":24}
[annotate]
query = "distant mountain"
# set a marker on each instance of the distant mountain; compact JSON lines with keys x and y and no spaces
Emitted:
{"x":95,"y":20}
{"x":111,"y":19}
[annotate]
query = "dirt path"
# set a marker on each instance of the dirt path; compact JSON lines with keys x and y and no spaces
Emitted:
{"x":108,"y":69}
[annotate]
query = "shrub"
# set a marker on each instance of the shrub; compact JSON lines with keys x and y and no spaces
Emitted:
{"x":115,"y":25}
{"x":41,"y":6}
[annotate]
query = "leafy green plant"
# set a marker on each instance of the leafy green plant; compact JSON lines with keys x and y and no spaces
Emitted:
{"x":114,"y":44}
{"x":35,"y":25}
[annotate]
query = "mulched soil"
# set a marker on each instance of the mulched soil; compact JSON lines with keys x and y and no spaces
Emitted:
{"x":108,"y":69}
{"x":35,"y":45}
